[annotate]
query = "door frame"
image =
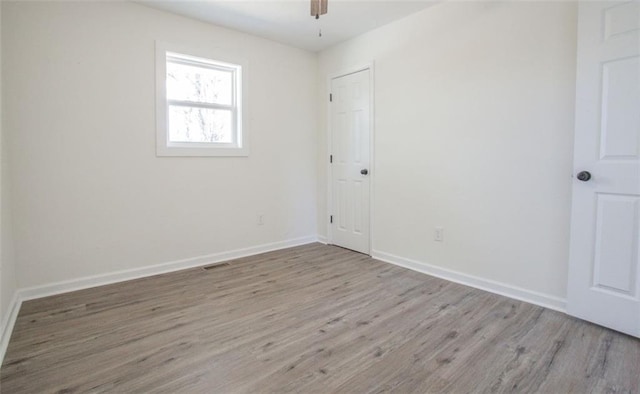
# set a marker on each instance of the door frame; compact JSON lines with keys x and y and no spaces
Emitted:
{"x":372,"y":172}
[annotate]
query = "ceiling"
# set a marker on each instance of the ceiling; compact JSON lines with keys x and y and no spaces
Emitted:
{"x":290,"y":22}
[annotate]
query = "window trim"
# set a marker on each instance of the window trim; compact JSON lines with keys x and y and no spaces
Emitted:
{"x":217,"y":60}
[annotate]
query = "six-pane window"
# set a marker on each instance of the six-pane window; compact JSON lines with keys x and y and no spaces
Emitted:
{"x":200,"y":97}
{"x":201,"y":111}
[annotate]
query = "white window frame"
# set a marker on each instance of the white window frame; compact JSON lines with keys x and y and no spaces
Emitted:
{"x":208,"y":58}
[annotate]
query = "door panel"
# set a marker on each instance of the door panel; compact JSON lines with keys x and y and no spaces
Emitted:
{"x":619,"y":101}
{"x":350,"y":138}
{"x":621,"y":18}
{"x":616,"y":243}
{"x":604,"y":283}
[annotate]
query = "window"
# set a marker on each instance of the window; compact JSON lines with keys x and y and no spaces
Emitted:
{"x":199,"y":105}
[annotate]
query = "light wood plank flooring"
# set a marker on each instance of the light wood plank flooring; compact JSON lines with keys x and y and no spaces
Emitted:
{"x":308,"y":319}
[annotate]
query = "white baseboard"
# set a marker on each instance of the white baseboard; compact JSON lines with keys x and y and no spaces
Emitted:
{"x":9,"y":321}
{"x":323,"y":240}
{"x":31,"y":293}
{"x":532,"y":297}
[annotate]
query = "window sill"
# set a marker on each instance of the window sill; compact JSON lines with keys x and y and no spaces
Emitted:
{"x":165,"y":151}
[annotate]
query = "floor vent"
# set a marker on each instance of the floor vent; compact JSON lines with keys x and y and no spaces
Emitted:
{"x":210,"y":267}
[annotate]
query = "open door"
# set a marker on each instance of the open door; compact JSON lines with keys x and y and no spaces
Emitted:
{"x":604,"y":272}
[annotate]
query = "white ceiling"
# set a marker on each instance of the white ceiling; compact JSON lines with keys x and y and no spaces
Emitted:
{"x":290,"y":22}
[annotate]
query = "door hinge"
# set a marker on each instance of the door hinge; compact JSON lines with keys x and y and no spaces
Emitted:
{"x":330,"y":96}
{"x":330,"y":218}
{"x":330,"y":158}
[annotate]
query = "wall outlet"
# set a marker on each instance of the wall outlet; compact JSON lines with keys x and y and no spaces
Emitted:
{"x":438,"y":234}
{"x":260,"y":219}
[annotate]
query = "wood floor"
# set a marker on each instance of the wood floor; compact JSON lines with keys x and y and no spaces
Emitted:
{"x":308,"y":319}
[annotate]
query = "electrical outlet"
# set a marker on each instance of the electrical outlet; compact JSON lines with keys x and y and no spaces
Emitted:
{"x":260,"y":219}
{"x":438,"y":234}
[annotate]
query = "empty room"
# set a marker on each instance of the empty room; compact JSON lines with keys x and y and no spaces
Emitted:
{"x":319,"y":196}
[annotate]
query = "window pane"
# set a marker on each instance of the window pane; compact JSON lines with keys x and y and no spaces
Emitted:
{"x":198,"y":84}
{"x":191,"y":124}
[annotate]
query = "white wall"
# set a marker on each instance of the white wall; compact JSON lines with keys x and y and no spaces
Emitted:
{"x":7,"y":263}
{"x":89,"y":194}
{"x":474,"y":124}
{"x":473,"y":132}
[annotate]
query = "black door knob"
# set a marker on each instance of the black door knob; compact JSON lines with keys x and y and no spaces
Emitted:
{"x":364,"y":171}
{"x":584,"y":176}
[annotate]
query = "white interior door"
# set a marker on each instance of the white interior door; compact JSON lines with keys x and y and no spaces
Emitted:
{"x":604,"y":273}
{"x":350,"y":151}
